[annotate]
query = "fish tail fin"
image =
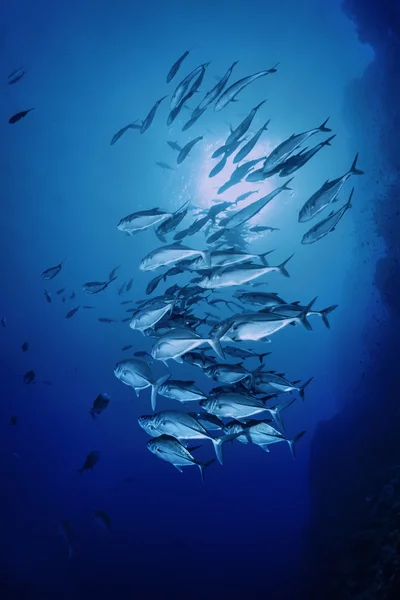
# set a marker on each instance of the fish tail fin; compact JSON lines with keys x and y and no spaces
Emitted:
{"x":262,"y":356}
{"x":349,"y":204}
{"x":323,"y":126}
{"x":303,"y":386}
{"x":285,"y":186}
{"x":275,"y":412}
{"x":292,"y":443}
{"x":324,"y":314}
{"x":215,"y":342}
{"x":206,"y":255}
{"x":303,"y":315}
{"x":261,"y":103}
{"x":262,"y":257}
{"x":92,"y":413}
{"x":218,"y":444}
{"x":328,"y":141}
{"x":203,"y":466}
{"x":265,"y":127}
{"x":154,"y":390}
{"x":182,"y":207}
{"x":353,"y":168}
{"x":282,"y":267}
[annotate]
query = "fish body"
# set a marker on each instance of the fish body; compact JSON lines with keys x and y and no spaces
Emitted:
{"x":52,"y":271}
{"x":279,"y":154}
{"x":29,"y":377}
{"x":248,"y":212}
{"x":150,"y":117}
{"x":167,"y":255}
{"x":294,"y":163}
{"x":248,"y":147}
{"x":264,"y":299}
{"x":233,"y":405}
{"x":102,"y":518}
{"x":25,"y":347}
{"x":241,"y":129}
{"x":195,"y":116}
{"x":175,"y":146}
{"x":171,"y":450}
{"x":20,"y":115}
{"x":228,"y":374}
{"x":72,"y":312}
{"x":187,"y":148}
{"x":326,"y":194}
{"x":178,"y":98}
{"x":239,"y":274}
{"x":142,"y":220}
{"x":91,"y":460}
{"x":229,"y":95}
{"x":164,"y":166}
{"x":180,"y":426}
{"x":16,"y":75}
{"x":94,"y":287}
{"x":173,"y":222}
{"x":100,"y":404}
{"x":173,"y":344}
{"x":175,"y":67}
{"x":182,"y":391}
{"x":47,"y":296}
{"x":136,"y":373}
{"x":123,"y":130}
{"x":217,"y":89}
{"x":147,"y":318}
{"x":327,"y":225}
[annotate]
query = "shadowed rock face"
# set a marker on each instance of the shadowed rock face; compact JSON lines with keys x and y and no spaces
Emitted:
{"x":355,"y":461}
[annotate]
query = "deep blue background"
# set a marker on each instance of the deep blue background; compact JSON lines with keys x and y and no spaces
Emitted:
{"x":93,"y":67}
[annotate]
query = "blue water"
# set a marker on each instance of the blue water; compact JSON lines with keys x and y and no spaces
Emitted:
{"x":93,"y":67}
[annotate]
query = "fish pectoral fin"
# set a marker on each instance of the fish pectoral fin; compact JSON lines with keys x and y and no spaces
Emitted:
{"x":137,"y":390}
{"x":179,"y":359}
{"x":264,"y":447}
{"x":178,"y":467}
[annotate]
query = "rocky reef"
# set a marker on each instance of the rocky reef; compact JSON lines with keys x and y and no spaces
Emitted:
{"x":354,"y":536}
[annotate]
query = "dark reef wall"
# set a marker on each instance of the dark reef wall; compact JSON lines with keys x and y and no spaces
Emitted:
{"x":355,"y":462}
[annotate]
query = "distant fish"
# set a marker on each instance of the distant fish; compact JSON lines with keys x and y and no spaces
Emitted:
{"x":150,"y":117}
{"x":186,"y":149}
{"x":87,"y":306}
{"x":245,"y":195}
{"x":14,"y":420}
{"x":126,"y":302}
{"x":261,"y":228}
{"x":71,"y":312}
{"x":106,"y":320}
{"x":94,"y":287}
{"x":102,"y":518}
{"x":125,"y":320}
{"x":248,"y":147}
{"x":72,"y":296}
{"x":175,"y":67}
{"x":121,"y":289}
{"x":52,"y":271}
{"x":175,"y":146}
{"x":121,"y":132}
{"x":100,"y":404}
{"x":25,"y":347}
{"x":114,"y":272}
{"x":144,"y":354}
{"x":126,"y":348}
{"x":129,"y":285}
{"x":47,"y":296}
{"x":4,"y":322}
{"x":16,"y":75}
{"x":29,"y":377}
{"x":91,"y":460}
{"x":64,"y":528}
{"x":61,"y":291}
{"x":164,"y":166}
{"x":20,"y":115}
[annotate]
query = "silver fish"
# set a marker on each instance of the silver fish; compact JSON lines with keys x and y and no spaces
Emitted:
{"x":123,"y":130}
{"x":182,"y":391}
{"x":171,"y":450}
{"x":187,"y":148}
{"x":137,"y":374}
{"x":175,"y":67}
{"x":327,"y":225}
{"x":216,"y":90}
{"x":181,"y":426}
{"x":247,"y":148}
{"x":150,"y":117}
{"x":241,"y":129}
{"x":326,"y":194}
{"x":53,"y":271}
{"x":173,"y":344}
{"x":144,"y":219}
{"x":279,"y":154}
{"x":146,"y":318}
{"x":229,"y":374}
{"x":230,"y":94}
{"x":238,"y":275}
{"x":94,"y":287}
{"x":248,"y":212}
{"x":167,"y":255}
{"x":294,"y":163}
